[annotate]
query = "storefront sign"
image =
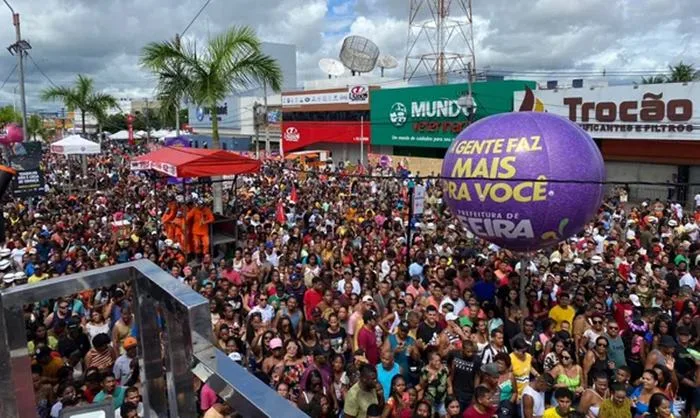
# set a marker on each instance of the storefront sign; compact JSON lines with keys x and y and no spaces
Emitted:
{"x":358,"y":94}
{"x":338,"y":97}
{"x":653,"y":111}
{"x":433,"y":116}
{"x":228,"y":114}
{"x":297,"y":135}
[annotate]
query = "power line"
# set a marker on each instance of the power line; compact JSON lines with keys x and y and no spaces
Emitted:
{"x":41,"y":71}
{"x":8,"y":77}
{"x":195,"y":17}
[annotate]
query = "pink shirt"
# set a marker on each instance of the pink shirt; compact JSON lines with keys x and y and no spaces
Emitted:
{"x":207,"y":398}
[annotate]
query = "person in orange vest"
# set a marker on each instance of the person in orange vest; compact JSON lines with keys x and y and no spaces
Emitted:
{"x":203,"y":216}
{"x":167,"y":220}
{"x":179,"y":229}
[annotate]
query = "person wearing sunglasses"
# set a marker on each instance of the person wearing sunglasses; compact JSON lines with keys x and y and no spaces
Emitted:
{"x":596,"y":361}
{"x":590,"y":336}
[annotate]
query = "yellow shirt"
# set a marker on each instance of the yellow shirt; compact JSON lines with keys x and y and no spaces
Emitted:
{"x":521,"y":371}
{"x":36,"y":279}
{"x":559,"y":315}
{"x":551,"y":413}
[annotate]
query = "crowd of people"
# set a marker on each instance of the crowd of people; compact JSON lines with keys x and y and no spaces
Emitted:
{"x":325,"y":300}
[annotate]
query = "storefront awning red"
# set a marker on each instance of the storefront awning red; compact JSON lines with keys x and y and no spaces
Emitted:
{"x":195,"y":162}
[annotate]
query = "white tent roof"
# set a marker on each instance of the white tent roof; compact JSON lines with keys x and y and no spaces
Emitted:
{"x":161,"y":133}
{"x":75,"y":144}
{"x":123,"y":134}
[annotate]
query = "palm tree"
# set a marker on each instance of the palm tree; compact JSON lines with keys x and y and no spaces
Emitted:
{"x":35,"y":126}
{"x":231,"y":61}
{"x":681,"y":73}
{"x":82,"y":97}
{"x":654,"y":79}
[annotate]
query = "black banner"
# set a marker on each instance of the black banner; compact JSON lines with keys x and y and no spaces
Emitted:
{"x":26,"y":159}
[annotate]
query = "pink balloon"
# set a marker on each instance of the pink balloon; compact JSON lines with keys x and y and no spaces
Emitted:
{"x":14,"y":133}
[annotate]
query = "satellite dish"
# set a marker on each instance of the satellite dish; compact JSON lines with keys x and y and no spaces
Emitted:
{"x":386,"y":61}
{"x":331,"y":66}
{"x":359,"y":54}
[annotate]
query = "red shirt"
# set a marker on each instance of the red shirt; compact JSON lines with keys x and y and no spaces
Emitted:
{"x":367,"y":340}
{"x":232,"y":276}
{"x":471,"y":412}
{"x":311,"y":299}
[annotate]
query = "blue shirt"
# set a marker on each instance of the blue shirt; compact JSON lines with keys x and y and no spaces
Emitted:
{"x":485,"y":291}
{"x":384,"y":377}
{"x":401,"y":358}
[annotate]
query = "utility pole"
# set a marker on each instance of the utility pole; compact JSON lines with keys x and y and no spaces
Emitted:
{"x":19,"y":49}
{"x":265,"y":121}
{"x":148,"y":122}
{"x":177,"y":101}
{"x":256,"y":124}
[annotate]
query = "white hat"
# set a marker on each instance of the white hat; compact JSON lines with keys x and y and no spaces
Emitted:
{"x":578,"y":261}
{"x":596,"y":259}
{"x":672,"y":223}
{"x":235,"y":357}
{"x":451,"y":316}
{"x":642,"y":251}
{"x":652,"y":219}
{"x":20,"y":276}
{"x":169,"y":242}
{"x":368,"y":299}
{"x":5,"y":252}
{"x":635,"y":300}
{"x":4,"y":264}
{"x":8,"y":278}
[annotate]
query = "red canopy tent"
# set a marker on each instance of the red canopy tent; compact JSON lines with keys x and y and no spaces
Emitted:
{"x":195,"y":162}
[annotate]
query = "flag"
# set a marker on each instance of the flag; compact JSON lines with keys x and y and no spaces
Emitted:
{"x":279,"y":213}
{"x":293,"y":196}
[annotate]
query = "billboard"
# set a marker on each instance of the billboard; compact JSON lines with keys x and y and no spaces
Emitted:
{"x":647,"y":111}
{"x":26,"y":159}
{"x":432,"y":116}
{"x":228,"y":114}
{"x":297,"y":135}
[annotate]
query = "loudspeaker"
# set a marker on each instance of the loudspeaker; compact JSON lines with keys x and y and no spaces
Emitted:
{"x":6,"y":176}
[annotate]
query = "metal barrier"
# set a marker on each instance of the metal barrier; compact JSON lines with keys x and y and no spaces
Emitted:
{"x":188,"y":346}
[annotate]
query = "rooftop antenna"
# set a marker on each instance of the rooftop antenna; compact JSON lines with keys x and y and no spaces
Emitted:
{"x":359,"y":54}
{"x":386,"y":61}
{"x":331,"y":66}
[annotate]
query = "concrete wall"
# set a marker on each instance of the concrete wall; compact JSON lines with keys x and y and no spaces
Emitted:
{"x":634,"y":172}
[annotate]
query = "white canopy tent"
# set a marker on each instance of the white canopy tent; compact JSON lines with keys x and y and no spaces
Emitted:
{"x":120,"y":136}
{"x":75,"y":145}
{"x":161,"y":133}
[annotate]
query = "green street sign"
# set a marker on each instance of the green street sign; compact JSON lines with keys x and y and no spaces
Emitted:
{"x":431,"y":116}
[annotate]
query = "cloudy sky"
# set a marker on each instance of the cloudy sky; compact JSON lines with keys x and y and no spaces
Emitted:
{"x":103,"y":38}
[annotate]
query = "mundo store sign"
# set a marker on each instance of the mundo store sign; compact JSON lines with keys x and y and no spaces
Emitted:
{"x":653,"y":111}
{"x":505,"y":179}
{"x":432,"y":116}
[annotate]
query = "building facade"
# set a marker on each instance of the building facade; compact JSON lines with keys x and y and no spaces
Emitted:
{"x":646,"y":133}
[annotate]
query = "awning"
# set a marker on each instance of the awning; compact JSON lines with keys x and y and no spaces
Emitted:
{"x":195,"y":162}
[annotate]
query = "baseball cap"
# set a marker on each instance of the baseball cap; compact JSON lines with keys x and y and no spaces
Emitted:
{"x":451,"y":316}
{"x":465,"y":322}
{"x":73,"y":323}
{"x":490,"y":369}
{"x":275,"y":343}
{"x":404,"y":325}
{"x":236,"y":357}
{"x":368,"y":299}
{"x":667,"y":341}
{"x":129,"y":342}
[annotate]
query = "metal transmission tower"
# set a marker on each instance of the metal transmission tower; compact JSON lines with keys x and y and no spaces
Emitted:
{"x":440,"y":40}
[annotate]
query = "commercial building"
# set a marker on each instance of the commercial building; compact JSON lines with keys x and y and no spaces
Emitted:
{"x":423,"y":121}
{"x":235,"y":113}
{"x":646,"y":133}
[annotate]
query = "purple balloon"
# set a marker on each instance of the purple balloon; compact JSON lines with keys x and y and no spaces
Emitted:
{"x":491,"y":166}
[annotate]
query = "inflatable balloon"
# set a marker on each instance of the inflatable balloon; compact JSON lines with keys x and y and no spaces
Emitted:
{"x":492,"y":166}
{"x":14,"y":133}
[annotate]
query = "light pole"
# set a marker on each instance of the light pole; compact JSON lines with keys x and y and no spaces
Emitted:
{"x":19,"y":48}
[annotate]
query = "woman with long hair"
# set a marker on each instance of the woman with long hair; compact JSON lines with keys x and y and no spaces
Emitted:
{"x":568,"y":374}
{"x":660,"y":406}
{"x":423,"y":409}
{"x":398,"y":399}
{"x":293,"y":368}
{"x":339,"y":380}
